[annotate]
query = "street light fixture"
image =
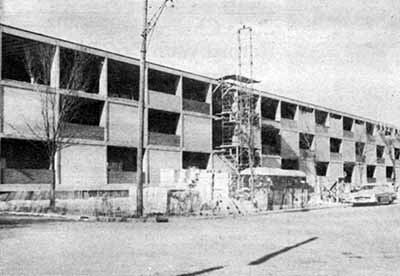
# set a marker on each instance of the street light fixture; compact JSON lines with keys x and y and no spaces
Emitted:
{"x":148,"y":27}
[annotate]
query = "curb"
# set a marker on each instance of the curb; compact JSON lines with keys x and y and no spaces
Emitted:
{"x":153,"y":219}
{"x":262,"y":213}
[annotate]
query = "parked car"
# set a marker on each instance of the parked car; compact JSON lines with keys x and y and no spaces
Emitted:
{"x":373,"y":194}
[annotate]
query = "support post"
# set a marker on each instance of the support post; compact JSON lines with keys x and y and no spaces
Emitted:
{"x":142,"y":90}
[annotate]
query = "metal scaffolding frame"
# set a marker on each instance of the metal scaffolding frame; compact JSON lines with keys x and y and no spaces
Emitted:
{"x":238,"y":116}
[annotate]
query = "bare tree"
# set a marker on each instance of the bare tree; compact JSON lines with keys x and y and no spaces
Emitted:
{"x":56,"y":109}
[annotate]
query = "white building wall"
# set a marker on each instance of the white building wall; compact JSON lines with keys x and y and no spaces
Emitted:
{"x":83,"y":166}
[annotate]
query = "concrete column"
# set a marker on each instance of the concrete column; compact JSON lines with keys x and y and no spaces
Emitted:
{"x":296,"y":113}
{"x":209,"y":95}
{"x":1,"y":164}
{"x":146,"y":166}
{"x":55,"y":69}
{"x":179,"y":90}
{"x":1,"y":46}
{"x":181,"y":123}
{"x":1,"y":109}
{"x":328,"y":120}
{"x":103,"y":82}
{"x":105,"y":164}
{"x":55,"y":83}
{"x":278,"y":112}
{"x":107,"y":121}
{"x":57,"y":160}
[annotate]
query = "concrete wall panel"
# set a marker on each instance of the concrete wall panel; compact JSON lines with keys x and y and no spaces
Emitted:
{"x":257,"y":138}
{"x":349,"y":151}
{"x":162,"y":159}
{"x":360,"y":174}
{"x":196,"y":134}
{"x":83,"y":165}
{"x":360,"y":132}
{"x":308,"y":167}
{"x":380,"y":174}
{"x":289,"y":144}
{"x":22,"y":108}
{"x":306,"y":121}
{"x":322,"y":148}
{"x":164,"y":101}
{"x":335,"y":127}
{"x":335,"y":170}
{"x":370,"y":153}
{"x":123,"y":125}
{"x":271,"y":162}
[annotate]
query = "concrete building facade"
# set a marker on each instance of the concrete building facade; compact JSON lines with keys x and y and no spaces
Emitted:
{"x":181,"y":129}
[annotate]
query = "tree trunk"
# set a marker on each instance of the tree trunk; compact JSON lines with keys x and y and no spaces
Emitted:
{"x":52,"y":205}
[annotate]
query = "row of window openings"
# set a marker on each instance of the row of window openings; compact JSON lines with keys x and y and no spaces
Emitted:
{"x":321,"y":169}
{"x":269,"y":108}
{"x":25,"y":154}
{"x":31,"y":61}
{"x":271,"y":145}
{"x":83,"y":111}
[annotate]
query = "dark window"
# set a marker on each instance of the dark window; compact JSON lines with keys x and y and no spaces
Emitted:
{"x":348,"y":169}
{"x":26,"y":60}
{"x":288,"y":110}
{"x":321,"y":117}
{"x":121,"y":158}
{"x":360,"y":148}
{"x":379,"y":151}
{"x":347,"y":123}
{"x":162,"y":82}
{"x":370,"y":128}
{"x":290,"y":164}
{"x":83,"y":111}
{"x":24,"y":154}
{"x":123,"y":80}
{"x":335,"y":116}
{"x":195,"y":160}
{"x":305,"y":140}
{"x":321,"y":168}
{"x":397,"y":153}
{"x":370,"y":171}
{"x":389,"y":172}
{"x":194,"y":90}
{"x":335,"y":144}
{"x":306,"y":109}
{"x":271,"y":140}
{"x":268,"y":108}
{"x":163,"y":121}
{"x":79,"y":70}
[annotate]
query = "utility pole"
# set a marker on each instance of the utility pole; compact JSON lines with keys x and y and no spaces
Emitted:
{"x":142,"y":88}
{"x":148,"y":27}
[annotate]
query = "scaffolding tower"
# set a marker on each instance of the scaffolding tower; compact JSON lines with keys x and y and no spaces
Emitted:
{"x":238,"y":116}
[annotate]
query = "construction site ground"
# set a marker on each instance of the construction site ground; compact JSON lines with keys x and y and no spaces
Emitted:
{"x":330,"y":241}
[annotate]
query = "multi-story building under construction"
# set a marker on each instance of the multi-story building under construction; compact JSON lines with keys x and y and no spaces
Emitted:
{"x":183,"y":125}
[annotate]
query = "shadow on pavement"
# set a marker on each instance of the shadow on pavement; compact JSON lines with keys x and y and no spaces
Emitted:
{"x":283,"y":250}
{"x":202,"y":271}
{"x":7,"y":221}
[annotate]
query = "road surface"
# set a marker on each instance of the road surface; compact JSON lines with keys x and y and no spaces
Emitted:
{"x":342,"y":241}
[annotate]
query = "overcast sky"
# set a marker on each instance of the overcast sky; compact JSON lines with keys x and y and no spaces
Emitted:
{"x":343,"y":54}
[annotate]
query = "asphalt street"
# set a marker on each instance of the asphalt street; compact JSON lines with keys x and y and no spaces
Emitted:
{"x":339,"y":241}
